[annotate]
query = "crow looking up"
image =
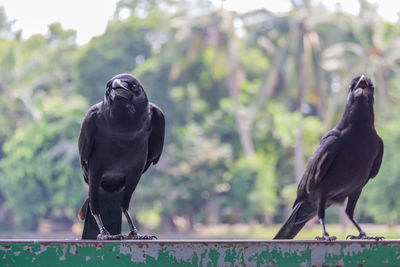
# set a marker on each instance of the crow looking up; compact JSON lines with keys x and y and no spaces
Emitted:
{"x":346,"y":158}
{"x":120,"y":138}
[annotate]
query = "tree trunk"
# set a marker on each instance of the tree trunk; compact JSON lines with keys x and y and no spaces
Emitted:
{"x":299,"y":151}
{"x":192,"y":220}
{"x":235,"y":79}
{"x":168,"y":224}
{"x":267,"y":219}
{"x":212,"y":211}
{"x":301,"y":78}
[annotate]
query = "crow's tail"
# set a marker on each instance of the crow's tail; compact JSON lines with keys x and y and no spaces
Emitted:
{"x":83,"y":210}
{"x":110,"y":213}
{"x":301,"y":213}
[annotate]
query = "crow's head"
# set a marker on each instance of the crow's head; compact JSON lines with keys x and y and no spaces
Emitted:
{"x":126,"y":88}
{"x":361,"y":89}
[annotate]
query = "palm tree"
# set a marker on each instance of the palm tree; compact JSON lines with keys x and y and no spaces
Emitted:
{"x":297,"y":48}
{"x":216,"y":30}
{"x":372,"y":48}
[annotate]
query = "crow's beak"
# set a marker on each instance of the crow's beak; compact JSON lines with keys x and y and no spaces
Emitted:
{"x":361,"y":90}
{"x":118,"y":84}
{"x":120,"y":88}
{"x":362,"y":79}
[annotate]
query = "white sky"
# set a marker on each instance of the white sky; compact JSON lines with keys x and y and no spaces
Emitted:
{"x":90,"y":17}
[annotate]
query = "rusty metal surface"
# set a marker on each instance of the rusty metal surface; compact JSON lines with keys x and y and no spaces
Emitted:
{"x":199,"y":253}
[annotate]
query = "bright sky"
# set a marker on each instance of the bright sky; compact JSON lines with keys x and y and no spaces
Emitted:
{"x":90,"y":17}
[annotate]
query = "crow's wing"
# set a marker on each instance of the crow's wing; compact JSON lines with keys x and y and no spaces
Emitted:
{"x":319,"y":163}
{"x":86,"y":140}
{"x":156,"y":140}
{"x":378,"y":160}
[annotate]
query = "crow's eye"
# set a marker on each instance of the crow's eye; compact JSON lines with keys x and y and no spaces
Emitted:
{"x":136,"y":89}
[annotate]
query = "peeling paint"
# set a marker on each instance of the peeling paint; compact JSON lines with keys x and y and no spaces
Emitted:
{"x":198,"y":253}
{"x":353,"y":249}
{"x":42,"y":249}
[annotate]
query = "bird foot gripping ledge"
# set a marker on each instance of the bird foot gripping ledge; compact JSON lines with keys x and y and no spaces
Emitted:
{"x":104,"y":237}
{"x":127,"y":237}
{"x":139,"y":237}
{"x":364,"y":237}
{"x":327,"y":238}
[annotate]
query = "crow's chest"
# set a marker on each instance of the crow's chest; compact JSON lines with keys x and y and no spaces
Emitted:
{"x":121,"y":141}
{"x":358,"y":151}
{"x":352,"y":165}
{"x":121,"y":147}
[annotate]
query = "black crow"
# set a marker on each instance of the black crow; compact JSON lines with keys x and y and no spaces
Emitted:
{"x":346,"y":158}
{"x":120,"y":138}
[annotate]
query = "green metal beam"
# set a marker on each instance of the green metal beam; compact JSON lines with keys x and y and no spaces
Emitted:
{"x":198,"y":253}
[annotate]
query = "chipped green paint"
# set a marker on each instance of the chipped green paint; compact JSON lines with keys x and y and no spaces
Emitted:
{"x":198,"y":253}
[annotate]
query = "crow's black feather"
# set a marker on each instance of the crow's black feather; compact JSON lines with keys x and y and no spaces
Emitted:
{"x":120,"y":138}
{"x":346,"y":158}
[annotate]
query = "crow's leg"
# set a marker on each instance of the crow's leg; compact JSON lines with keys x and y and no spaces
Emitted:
{"x":94,"y":185}
{"x":351,"y":204}
{"x":133,"y":233}
{"x":104,"y":234}
{"x":321,"y":216}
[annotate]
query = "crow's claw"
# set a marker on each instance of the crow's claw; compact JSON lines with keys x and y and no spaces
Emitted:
{"x":136,"y":236}
{"x":103,"y":236}
{"x":365,"y":237}
{"x":326,"y":238}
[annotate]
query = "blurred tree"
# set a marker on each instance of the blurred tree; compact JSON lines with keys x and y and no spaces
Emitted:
{"x":36,"y":71}
{"x":191,"y":175}
{"x":124,"y":45}
{"x":39,"y":174}
{"x":371,"y":48}
{"x":253,"y":193}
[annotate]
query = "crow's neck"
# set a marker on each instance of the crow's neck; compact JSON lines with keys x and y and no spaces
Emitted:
{"x":126,"y":116}
{"x":360,"y":115}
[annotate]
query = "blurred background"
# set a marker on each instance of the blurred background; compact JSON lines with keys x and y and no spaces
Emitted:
{"x":247,"y":89}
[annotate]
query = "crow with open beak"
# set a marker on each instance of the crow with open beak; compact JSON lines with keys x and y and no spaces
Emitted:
{"x":120,"y":138}
{"x":346,"y":158}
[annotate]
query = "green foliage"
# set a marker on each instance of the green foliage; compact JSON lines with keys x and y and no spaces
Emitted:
{"x":253,"y":186}
{"x":193,"y":170}
{"x":123,"y":46}
{"x":313,"y":132}
{"x":380,"y":198}
{"x":39,"y":173}
{"x":255,"y":63}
